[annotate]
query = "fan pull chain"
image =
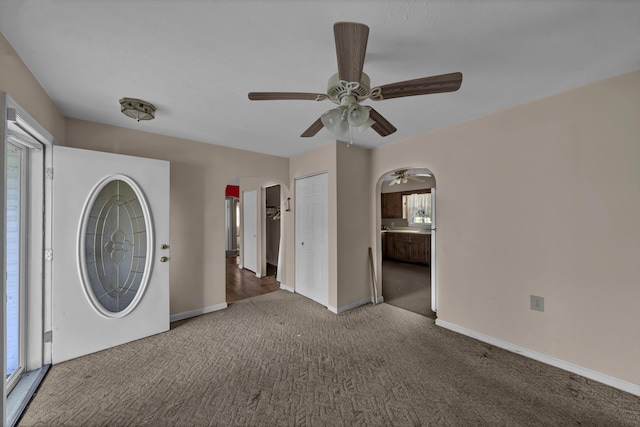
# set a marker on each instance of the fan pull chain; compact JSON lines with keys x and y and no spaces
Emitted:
{"x":350,"y":136}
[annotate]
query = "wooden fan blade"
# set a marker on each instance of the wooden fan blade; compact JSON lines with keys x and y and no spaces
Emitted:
{"x":313,"y":129}
{"x":276,"y":96}
{"x":351,"y":48}
{"x":426,"y":85}
{"x":381,"y":125}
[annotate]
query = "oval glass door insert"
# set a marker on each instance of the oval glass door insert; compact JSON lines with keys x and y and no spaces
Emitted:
{"x":115,"y":246}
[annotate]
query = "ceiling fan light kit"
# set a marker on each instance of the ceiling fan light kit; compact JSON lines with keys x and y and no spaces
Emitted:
{"x":351,"y":115}
{"x":137,"y":109}
{"x":351,"y":85}
{"x":404,"y":176}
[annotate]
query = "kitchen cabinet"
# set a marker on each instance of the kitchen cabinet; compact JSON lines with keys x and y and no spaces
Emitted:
{"x":402,"y":249}
{"x":408,"y":247}
{"x":388,"y":245}
{"x":391,"y":205}
{"x":418,"y":248}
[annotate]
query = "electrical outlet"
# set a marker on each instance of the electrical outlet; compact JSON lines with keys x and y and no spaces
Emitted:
{"x":537,"y":303}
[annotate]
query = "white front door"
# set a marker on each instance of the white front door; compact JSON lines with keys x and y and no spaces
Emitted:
{"x":250,"y":230}
{"x":312,"y":237}
{"x":110,"y":250}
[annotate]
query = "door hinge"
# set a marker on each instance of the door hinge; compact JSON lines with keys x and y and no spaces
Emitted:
{"x":48,"y":254}
{"x":48,"y":336}
{"x":49,"y":173}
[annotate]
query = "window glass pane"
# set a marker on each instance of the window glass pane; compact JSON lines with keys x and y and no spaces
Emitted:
{"x":419,"y":209}
{"x":13,"y":218}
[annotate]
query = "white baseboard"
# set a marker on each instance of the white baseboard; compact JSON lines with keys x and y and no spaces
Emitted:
{"x":355,"y":304}
{"x":197,"y":312}
{"x":286,"y":288}
{"x":544,"y":358}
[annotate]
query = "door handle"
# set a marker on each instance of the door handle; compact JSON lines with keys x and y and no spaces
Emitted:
{"x":164,"y":259}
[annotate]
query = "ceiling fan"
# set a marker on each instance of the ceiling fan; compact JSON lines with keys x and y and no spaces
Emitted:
{"x":404,"y":176}
{"x":350,"y":86}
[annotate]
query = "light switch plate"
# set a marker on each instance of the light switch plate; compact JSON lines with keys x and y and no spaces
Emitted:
{"x":537,"y":303}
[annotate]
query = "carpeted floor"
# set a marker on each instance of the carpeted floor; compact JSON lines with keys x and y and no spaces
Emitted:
{"x":280,"y":359}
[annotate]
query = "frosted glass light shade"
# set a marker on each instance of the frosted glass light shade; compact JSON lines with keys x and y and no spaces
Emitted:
{"x":358,"y":115}
{"x":338,"y":120}
{"x":137,"y":109}
{"x":335,"y":123}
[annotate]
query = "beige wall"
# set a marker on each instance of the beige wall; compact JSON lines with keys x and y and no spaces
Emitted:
{"x":353,"y":222}
{"x":542,"y":199}
{"x":199,"y":175}
{"x":21,"y":85}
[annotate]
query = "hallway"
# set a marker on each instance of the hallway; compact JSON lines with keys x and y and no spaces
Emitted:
{"x":242,"y":284}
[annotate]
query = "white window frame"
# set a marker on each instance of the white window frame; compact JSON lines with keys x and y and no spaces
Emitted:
{"x":38,"y":287}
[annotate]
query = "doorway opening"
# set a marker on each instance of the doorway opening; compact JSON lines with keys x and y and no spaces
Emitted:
{"x":272,"y":229}
{"x":232,"y":220}
{"x":407,"y":218}
{"x":253,"y":239}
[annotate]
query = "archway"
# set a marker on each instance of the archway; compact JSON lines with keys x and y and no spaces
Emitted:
{"x":407,"y":239}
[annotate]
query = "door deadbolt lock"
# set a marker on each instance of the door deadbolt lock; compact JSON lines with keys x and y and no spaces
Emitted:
{"x":164,"y":246}
{"x":164,"y":259}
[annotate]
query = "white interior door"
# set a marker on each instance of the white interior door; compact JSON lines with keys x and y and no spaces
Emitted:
{"x":312,"y":237}
{"x":110,"y":231}
{"x":250,"y":230}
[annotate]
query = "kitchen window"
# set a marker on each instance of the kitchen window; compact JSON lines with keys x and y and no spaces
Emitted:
{"x":416,"y":209}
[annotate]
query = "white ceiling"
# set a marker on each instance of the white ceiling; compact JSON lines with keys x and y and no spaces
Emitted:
{"x":197,"y":60}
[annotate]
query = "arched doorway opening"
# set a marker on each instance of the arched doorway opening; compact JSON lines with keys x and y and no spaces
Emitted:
{"x":407,"y":240}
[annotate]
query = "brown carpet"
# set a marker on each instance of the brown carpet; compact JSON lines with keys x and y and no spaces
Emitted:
{"x":280,"y":359}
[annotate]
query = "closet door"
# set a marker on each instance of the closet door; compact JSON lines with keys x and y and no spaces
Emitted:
{"x":312,"y":236}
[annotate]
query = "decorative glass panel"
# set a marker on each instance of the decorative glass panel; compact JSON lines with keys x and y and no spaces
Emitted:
{"x":115,"y":246}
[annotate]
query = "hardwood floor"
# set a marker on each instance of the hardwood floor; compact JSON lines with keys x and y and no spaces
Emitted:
{"x":243,"y":284}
